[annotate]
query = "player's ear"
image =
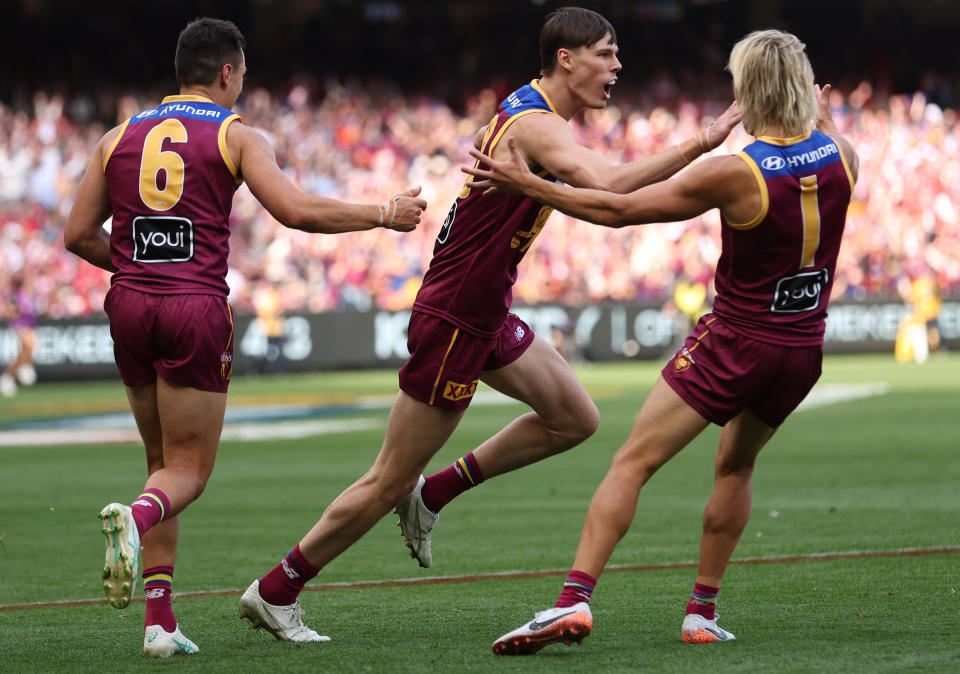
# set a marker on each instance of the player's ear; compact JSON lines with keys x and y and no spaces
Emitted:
{"x":565,"y":58}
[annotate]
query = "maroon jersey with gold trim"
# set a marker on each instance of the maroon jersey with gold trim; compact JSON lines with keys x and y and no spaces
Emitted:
{"x":775,"y":272}
{"x":171,"y":184}
{"x":470,"y":279}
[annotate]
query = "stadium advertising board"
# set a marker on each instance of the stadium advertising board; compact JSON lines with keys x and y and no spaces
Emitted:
{"x":83,"y":349}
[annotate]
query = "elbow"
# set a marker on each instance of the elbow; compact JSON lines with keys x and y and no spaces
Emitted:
{"x":296,"y":221}
{"x":617,"y":219}
{"x":293,"y":216}
{"x":617,"y":222}
{"x":71,"y":242}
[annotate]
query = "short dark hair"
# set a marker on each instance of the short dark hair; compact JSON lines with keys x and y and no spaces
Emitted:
{"x":205,"y":45}
{"x":569,"y":28}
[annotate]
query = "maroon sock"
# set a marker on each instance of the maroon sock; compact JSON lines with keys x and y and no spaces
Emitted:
{"x":703,"y":600}
{"x":150,"y":508}
{"x":577,"y":588}
{"x":157,"y":586}
{"x":443,"y":487}
{"x":282,"y":585}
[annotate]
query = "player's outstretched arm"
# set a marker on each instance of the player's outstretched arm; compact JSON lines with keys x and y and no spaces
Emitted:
{"x":310,"y":212}
{"x":666,"y":163}
{"x":84,"y":234}
{"x":714,"y":183}
{"x":548,"y":141}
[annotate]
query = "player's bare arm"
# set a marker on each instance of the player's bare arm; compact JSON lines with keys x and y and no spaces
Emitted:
{"x":826,"y":125}
{"x":84,"y":234}
{"x":310,"y":212}
{"x":548,"y":140}
{"x":720,"y":182}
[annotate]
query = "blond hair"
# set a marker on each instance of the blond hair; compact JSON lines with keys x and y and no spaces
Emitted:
{"x":773,"y":82}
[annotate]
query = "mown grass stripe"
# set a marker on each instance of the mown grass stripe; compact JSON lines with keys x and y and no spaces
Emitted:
{"x":520,"y":575}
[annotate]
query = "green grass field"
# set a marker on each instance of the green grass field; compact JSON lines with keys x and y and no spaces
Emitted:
{"x":867,"y":478}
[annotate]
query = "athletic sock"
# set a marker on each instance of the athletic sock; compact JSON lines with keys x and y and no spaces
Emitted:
{"x":441,"y":488}
{"x":157,"y":583}
{"x":703,"y":600}
{"x":282,"y":585}
{"x":150,"y":508}
{"x":577,"y":588}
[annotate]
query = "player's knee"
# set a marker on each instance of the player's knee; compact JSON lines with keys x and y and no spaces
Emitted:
{"x":635,"y":465}
{"x":734,"y":468}
{"x":390,"y":486}
{"x":581,"y":424}
{"x":198,"y":483}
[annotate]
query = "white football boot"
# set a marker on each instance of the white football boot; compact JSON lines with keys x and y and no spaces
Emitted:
{"x":698,"y":630}
{"x":416,"y":523}
{"x":159,"y":643}
{"x":26,"y":375}
{"x":8,"y":386}
{"x":283,"y":622}
{"x":120,"y":569}
{"x":556,"y":625}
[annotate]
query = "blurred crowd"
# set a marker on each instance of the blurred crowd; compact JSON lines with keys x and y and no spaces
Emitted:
{"x":366,"y":142}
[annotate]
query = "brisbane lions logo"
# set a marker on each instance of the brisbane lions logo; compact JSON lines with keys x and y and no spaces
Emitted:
{"x":683,"y":360}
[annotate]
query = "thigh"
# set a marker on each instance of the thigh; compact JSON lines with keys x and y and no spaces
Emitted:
{"x":415,"y":432}
{"x":143,"y":404}
{"x":191,"y":420}
{"x":542,"y":379}
{"x":195,"y":336}
{"x":665,"y":425}
{"x":741,"y":440}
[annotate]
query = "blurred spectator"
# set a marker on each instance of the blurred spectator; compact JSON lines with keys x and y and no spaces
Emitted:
{"x":266,"y":302}
{"x":357,"y":140}
{"x":20,"y":310}
{"x":919,"y":332}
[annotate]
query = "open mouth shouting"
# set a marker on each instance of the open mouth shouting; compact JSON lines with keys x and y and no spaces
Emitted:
{"x":608,"y":87}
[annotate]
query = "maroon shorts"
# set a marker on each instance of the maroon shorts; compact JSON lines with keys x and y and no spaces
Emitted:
{"x":720,"y":373}
{"x":446,"y":362}
{"x":186,"y":339}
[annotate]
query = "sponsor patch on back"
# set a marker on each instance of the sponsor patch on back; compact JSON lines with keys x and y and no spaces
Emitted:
{"x":162,"y":238}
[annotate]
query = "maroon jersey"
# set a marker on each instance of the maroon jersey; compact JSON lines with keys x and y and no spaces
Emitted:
{"x":470,"y":279}
{"x":171,"y":184}
{"x":775,"y":272}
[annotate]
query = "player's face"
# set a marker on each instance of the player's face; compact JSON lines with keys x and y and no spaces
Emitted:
{"x":595,"y":72}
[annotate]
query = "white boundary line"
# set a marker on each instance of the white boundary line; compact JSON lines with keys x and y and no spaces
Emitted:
{"x":241,"y":426}
{"x":238,"y":431}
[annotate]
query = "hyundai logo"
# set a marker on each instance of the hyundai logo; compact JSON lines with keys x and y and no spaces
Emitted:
{"x":773,"y":163}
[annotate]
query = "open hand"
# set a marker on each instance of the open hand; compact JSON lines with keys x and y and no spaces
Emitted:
{"x":718,"y":130}
{"x":501,"y":176}
{"x":825,"y":121}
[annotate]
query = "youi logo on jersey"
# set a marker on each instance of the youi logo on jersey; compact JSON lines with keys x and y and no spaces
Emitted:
{"x":799,"y":292}
{"x":162,"y":239}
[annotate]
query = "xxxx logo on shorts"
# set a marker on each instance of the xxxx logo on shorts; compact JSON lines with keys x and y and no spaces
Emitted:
{"x":683,"y":360}
{"x":455,"y":391}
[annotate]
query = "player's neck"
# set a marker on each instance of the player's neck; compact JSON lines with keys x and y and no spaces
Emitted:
{"x":560,"y":95}
{"x":773,"y":131}
{"x":203,"y":92}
